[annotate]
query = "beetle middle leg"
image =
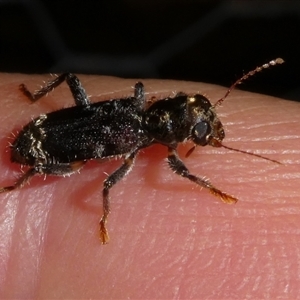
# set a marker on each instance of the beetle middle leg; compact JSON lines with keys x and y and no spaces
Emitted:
{"x":139,"y":92}
{"x":110,"y":181}
{"x":179,"y":168}
{"x":78,"y":92}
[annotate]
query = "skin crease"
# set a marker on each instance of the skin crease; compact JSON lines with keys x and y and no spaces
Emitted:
{"x":169,"y":238}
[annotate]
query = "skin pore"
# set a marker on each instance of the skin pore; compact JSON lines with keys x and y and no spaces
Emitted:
{"x":169,"y":238}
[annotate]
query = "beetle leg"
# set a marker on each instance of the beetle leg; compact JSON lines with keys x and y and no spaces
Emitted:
{"x":139,"y":92}
{"x":139,"y":99}
{"x":179,"y":168}
{"x":21,"y":181}
{"x":59,"y":169}
{"x":110,"y":181}
{"x":78,"y":92}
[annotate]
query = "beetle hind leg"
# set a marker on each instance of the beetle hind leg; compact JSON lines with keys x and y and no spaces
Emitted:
{"x":20,"y":182}
{"x":54,"y":169}
{"x":60,"y":169}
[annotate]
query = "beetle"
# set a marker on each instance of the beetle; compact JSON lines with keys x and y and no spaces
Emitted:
{"x":61,"y":142}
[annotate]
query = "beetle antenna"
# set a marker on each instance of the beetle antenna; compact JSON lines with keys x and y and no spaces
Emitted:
{"x":253,"y":154}
{"x":217,"y":143}
{"x":274,"y":62}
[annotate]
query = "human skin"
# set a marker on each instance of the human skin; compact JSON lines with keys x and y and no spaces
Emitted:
{"x":169,"y":238}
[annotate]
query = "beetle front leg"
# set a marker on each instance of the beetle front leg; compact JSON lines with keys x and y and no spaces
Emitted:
{"x":179,"y":168}
{"x":108,"y":184}
{"x":78,"y":92}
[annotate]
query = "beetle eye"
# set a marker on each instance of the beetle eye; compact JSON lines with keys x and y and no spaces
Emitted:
{"x":200,"y":132}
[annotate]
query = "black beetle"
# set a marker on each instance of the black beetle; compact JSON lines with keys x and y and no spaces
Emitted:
{"x":61,"y":142}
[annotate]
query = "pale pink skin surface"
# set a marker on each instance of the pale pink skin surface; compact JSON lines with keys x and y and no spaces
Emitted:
{"x":169,"y":238}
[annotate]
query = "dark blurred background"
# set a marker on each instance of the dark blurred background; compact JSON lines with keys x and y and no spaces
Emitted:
{"x":210,"y":41}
